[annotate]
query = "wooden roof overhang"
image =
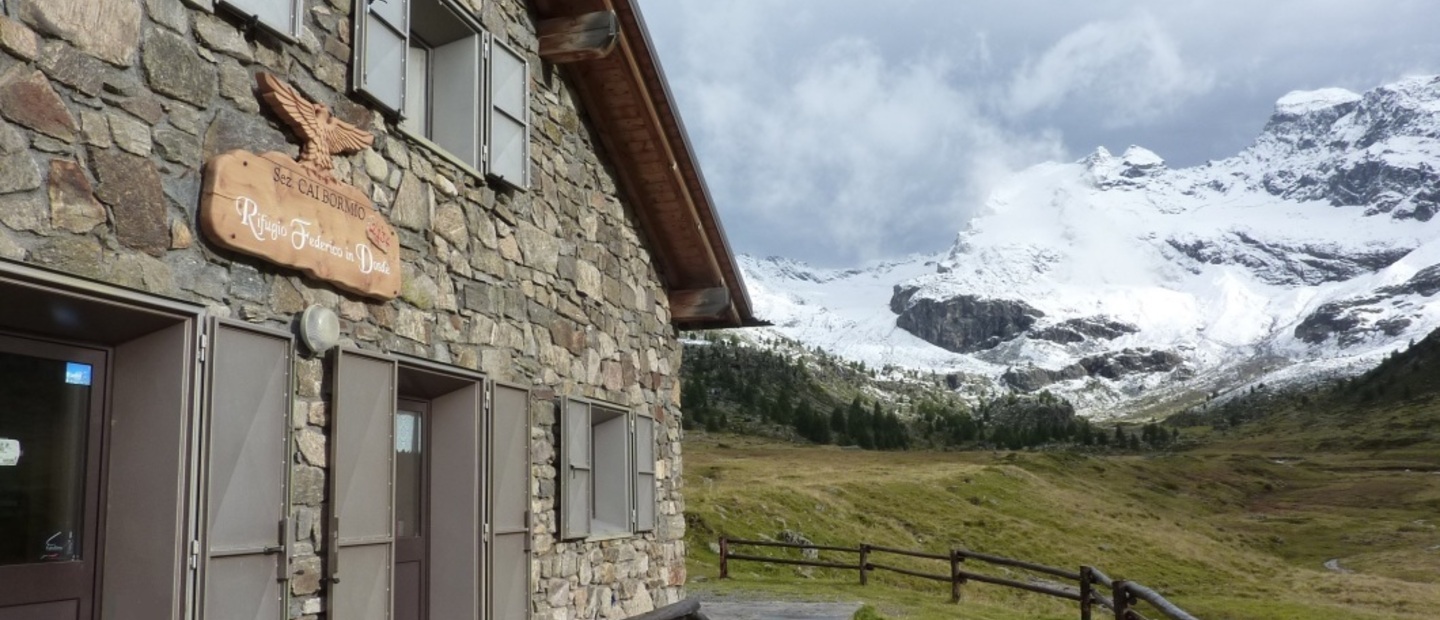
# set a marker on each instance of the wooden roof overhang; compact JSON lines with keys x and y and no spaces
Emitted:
{"x":605,"y":51}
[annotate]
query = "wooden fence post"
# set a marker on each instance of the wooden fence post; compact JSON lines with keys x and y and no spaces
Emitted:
{"x":1121,"y":601}
{"x":724,"y":558}
{"x":864,"y":560}
{"x":955,"y":581}
{"x":1087,"y":580}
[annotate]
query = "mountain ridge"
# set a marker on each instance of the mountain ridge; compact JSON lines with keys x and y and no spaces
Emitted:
{"x":1129,"y":286}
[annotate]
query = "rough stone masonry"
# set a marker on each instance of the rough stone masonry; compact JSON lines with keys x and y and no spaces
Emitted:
{"x":111,"y":107}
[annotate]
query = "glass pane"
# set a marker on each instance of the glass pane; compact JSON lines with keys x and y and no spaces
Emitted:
{"x":44,"y":407}
{"x":417,"y":90}
{"x":409,"y":473}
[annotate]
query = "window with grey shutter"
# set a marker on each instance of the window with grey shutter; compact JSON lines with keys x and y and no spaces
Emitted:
{"x":246,"y":564}
{"x":382,"y":44}
{"x":508,"y":583}
{"x":362,"y":472}
{"x":509,"y":152}
{"x":455,"y":51}
{"x":282,"y":17}
{"x":612,"y":472}
{"x":644,"y":442}
{"x":455,"y":110}
{"x":574,"y":470}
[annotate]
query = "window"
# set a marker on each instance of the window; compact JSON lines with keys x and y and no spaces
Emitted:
{"x":430,"y":492}
{"x":279,"y":16}
{"x":607,"y":471}
{"x":452,"y":85}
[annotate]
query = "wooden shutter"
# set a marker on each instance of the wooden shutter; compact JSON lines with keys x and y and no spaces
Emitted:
{"x":457,"y":115}
{"x":246,"y":562}
{"x":280,"y":16}
{"x":644,"y":451}
{"x":508,"y":583}
{"x":509,"y":147}
{"x":574,"y":471}
{"x":382,"y":45}
{"x":362,"y":477}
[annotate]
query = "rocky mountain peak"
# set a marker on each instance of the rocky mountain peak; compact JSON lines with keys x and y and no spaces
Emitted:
{"x":1117,"y":280}
{"x":1129,"y":170}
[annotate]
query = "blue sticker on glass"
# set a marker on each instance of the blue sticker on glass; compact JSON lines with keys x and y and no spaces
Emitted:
{"x":77,"y":373}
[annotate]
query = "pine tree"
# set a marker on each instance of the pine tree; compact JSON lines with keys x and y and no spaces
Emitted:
{"x":837,"y":426}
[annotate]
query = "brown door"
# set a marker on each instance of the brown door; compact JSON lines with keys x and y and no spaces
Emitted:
{"x":51,"y":422}
{"x":412,"y":421}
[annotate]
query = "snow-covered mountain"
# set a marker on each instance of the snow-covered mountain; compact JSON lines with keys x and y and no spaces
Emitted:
{"x":1125,"y":284}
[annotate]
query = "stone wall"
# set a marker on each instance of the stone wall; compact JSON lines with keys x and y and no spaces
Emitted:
{"x":110,"y":108}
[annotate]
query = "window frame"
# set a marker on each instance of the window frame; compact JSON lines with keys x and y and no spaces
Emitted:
{"x":605,"y":422}
{"x":482,"y":107}
{"x":569,"y":521}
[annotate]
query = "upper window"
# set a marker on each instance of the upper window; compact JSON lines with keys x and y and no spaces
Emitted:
{"x":280,"y":16}
{"x":431,"y":63}
{"x":607,"y":471}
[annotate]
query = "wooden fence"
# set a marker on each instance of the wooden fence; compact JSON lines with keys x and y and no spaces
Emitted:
{"x":1123,"y":599}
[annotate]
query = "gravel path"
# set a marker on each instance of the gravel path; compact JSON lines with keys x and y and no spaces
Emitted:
{"x":754,"y":607}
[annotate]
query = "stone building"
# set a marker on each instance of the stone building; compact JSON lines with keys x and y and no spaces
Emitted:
{"x":440,"y":381}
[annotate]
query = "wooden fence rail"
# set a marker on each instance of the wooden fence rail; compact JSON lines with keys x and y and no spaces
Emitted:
{"x":1122,"y":601}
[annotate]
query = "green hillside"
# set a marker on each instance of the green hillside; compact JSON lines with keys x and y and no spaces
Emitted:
{"x":1236,"y":520}
{"x":779,"y":390}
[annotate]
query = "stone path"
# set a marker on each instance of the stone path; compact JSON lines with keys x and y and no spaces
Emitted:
{"x":755,"y":607}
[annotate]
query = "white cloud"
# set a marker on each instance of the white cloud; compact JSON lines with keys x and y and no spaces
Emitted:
{"x":861,"y":156}
{"x":839,"y":130}
{"x":1131,"y":67}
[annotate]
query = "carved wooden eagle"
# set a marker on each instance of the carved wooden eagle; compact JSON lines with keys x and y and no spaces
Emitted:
{"x":321,"y":134}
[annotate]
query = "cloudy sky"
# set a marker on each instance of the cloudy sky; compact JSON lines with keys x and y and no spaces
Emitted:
{"x":841,"y":131}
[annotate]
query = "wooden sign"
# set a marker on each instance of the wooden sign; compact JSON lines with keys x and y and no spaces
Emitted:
{"x":294,"y":212}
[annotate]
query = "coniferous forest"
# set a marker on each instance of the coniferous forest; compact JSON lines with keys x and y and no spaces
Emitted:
{"x":812,"y":396}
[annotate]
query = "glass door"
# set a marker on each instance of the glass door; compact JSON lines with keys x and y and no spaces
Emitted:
{"x":51,"y":423}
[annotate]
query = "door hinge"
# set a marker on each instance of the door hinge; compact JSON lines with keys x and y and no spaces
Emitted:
{"x":282,"y":566}
{"x":194,"y":553}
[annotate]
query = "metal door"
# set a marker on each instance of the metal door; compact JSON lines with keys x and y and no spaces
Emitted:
{"x":509,"y":565}
{"x":362,"y":519}
{"x":246,"y":565}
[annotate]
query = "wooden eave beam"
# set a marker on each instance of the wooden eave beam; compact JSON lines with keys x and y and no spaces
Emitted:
{"x":690,"y":173}
{"x":674,"y":178}
{"x":702,"y":304}
{"x":580,"y":37}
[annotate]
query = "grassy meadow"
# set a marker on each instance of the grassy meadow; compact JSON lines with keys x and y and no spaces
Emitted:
{"x":1224,"y":531}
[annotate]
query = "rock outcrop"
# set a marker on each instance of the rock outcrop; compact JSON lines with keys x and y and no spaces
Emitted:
{"x":963,"y":324}
{"x":1086,"y":328}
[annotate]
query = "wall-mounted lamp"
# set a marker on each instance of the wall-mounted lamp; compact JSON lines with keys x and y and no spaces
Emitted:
{"x":319,"y":329}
